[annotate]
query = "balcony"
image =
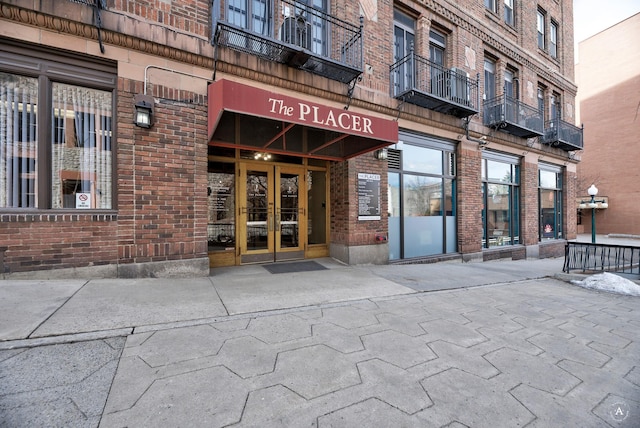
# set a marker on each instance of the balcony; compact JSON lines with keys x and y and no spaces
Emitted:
{"x":563,"y":135}
{"x":513,"y":116}
{"x":293,"y":33}
{"x":416,"y":80}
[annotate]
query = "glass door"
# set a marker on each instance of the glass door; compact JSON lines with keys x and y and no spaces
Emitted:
{"x":271,"y":215}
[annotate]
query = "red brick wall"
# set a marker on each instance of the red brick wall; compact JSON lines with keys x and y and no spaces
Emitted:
{"x":345,"y":227}
{"x":529,"y":220}
{"x":469,"y":199}
{"x":53,"y":241}
{"x":162,"y":177}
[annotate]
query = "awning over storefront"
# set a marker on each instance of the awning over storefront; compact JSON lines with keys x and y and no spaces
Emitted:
{"x":242,"y":116}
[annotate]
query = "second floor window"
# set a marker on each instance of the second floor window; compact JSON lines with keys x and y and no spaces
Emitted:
{"x":490,"y":4}
{"x":553,"y":40}
{"x":541,"y":100}
{"x":508,"y":12}
{"x":541,"y":28}
{"x":554,"y":105}
{"x":403,"y":44}
{"x":489,"y":79}
{"x":509,"y":84}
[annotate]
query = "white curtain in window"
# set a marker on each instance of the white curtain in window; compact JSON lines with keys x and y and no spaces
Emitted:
{"x":18,"y":141}
{"x":81,"y":147}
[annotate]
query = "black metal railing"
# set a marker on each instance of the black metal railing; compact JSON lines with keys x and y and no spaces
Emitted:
{"x":420,"y":81}
{"x":563,"y":134}
{"x":513,"y":116}
{"x":589,"y":257}
{"x":293,"y":33}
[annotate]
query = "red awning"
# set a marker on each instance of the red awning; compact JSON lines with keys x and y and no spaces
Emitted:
{"x":246,"y":117}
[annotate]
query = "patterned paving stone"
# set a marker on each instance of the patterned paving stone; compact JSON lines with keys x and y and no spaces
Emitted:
{"x":406,"y":324}
{"x":279,"y":328}
{"x":450,"y":355}
{"x":247,"y":356}
{"x":208,"y":397}
{"x":597,"y":382}
{"x":554,"y":411}
{"x":349,"y":317}
{"x":572,"y":349}
{"x":339,"y":338}
{"x":532,"y":371}
{"x":495,"y":318}
{"x":452,"y":332}
{"x":369,"y":413}
{"x":473,"y":401}
{"x":596,"y":333}
{"x":523,"y":310}
{"x":185,"y":344}
{"x":276,"y":406}
{"x":398,"y":349}
{"x":318,"y":376}
{"x":393,"y":385}
{"x":516,"y":340}
{"x":634,"y":376}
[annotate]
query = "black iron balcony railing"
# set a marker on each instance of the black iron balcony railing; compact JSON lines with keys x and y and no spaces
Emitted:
{"x":513,"y":116}
{"x":589,"y":257}
{"x":416,"y":80}
{"x":564,"y":135}
{"x":291,"y":32}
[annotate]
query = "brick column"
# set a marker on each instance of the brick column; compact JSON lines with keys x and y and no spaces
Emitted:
{"x":469,"y":198}
{"x":529,"y":209}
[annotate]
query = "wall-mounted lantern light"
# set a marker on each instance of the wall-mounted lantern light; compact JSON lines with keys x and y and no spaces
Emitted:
{"x":380,"y":154}
{"x":143,"y":115}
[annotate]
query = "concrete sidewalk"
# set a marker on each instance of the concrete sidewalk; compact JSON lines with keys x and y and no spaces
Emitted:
{"x":496,"y":344}
{"x":111,"y":307}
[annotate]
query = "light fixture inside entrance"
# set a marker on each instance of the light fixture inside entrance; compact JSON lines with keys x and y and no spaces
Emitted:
{"x":262,"y":156}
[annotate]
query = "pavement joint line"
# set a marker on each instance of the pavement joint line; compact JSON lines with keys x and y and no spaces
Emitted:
{"x":126,"y":331}
{"x":65,"y":338}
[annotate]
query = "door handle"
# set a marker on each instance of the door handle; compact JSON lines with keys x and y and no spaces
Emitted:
{"x":270,"y":221}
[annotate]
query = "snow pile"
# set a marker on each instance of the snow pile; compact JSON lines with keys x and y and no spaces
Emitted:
{"x":610,"y":283}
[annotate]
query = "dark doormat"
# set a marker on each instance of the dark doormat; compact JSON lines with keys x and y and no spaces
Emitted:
{"x":294,"y":267}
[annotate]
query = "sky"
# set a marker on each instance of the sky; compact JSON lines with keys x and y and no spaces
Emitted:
{"x":592,"y":16}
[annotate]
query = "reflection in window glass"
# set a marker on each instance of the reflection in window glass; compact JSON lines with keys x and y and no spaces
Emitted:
{"x":501,"y":210}
{"x":393,"y":194}
{"x":421,"y":159}
{"x":551,"y":206}
{"x":81,"y":172}
{"x":498,"y":171}
{"x":18,"y":141}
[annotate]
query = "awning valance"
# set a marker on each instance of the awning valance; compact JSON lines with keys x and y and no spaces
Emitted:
{"x":247,"y":117}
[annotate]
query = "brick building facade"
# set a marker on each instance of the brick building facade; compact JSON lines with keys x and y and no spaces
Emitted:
{"x":369,"y":131}
{"x":609,"y":76}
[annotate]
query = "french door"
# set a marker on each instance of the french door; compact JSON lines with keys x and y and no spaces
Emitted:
{"x":271,"y":213}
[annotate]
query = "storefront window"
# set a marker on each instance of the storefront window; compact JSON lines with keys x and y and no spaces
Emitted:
{"x":421,"y":198}
{"x":550,"y":197}
{"x":69,"y":126}
{"x":501,"y":197}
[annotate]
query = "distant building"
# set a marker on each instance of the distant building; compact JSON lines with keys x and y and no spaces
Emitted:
{"x":365,"y":130}
{"x":608,"y":76}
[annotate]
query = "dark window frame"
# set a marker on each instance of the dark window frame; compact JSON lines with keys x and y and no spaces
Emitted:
{"x":49,"y":66}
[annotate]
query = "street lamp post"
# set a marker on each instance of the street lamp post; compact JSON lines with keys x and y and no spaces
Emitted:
{"x":593,"y":203}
